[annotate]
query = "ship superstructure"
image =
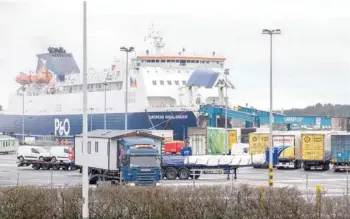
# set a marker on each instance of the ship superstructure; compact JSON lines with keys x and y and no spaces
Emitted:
{"x":164,"y":92}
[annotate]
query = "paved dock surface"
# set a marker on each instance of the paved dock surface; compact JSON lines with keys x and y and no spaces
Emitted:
{"x":333,"y":183}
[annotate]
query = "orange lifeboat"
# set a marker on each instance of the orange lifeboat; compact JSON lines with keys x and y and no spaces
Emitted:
{"x":41,"y":78}
{"x":23,"y":79}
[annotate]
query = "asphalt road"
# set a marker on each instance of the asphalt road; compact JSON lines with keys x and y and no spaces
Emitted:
{"x":333,"y":183}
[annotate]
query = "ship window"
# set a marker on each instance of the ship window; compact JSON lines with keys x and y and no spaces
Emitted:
{"x":177,"y":60}
{"x":157,"y":61}
{"x":96,"y":146}
{"x":89,"y":147}
{"x":169,"y":82}
{"x":177,"y":82}
{"x":197,"y":61}
{"x":182,"y":62}
{"x":153,"y":61}
{"x":162,"y":60}
{"x":167,"y":60}
{"x":161,"y":82}
{"x":184,"y":82}
{"x":154,"y":82}
{"x":172,"y":60}
{"x":192,"y":61}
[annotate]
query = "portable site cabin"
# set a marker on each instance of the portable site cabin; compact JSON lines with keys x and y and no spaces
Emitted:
{"x":8,"y":144}
{"x":102,"y":147}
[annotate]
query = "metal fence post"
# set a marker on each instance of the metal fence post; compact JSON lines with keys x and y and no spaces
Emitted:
{"x":120,"y":176}
{"x":232,"y":176}
{"x":307,"y":180}
{"x":347,"y":187}
{"x":51,"y":177}
{"x":17,"y":179}
{"x":194,"y":178}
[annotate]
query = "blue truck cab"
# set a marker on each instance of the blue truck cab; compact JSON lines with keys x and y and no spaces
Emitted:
{"x":139,"y":161}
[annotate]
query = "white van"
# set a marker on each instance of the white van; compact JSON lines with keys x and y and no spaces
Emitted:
{"x":61,"y":153}
{"x":32,"y":153}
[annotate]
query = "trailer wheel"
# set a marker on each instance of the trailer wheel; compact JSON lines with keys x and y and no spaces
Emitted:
{"x":171,"y":173}
{"x":55,"y":167}
{"x":184,"y":174}
{"x":45,"y":166}
{"x":36,"y":166}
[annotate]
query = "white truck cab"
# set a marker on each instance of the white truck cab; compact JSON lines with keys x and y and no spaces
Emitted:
{"x":32,"y":153}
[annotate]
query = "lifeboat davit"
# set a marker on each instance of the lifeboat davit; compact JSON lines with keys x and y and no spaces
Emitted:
{"x":23,"y":79}
{"x":41,"y":78}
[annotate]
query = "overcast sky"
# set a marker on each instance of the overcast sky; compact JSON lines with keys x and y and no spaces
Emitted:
{"x":311,"y":57}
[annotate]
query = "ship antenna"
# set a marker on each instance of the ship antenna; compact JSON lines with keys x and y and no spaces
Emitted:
{"x":156,"y":40}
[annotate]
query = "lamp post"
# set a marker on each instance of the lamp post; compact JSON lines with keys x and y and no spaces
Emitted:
{"x":85,"y":180}
{"x":23,"y":93}
{"x":226,"y":72}
{"x":105,"y":108}
{"x":271,"y":32}
{"x":127,"y":50}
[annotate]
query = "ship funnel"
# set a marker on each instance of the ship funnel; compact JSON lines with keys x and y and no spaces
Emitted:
{"x":57,"y":62}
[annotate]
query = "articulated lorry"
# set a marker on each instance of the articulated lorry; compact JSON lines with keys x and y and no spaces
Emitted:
{"x":340,"y":150}
{"x":287,"y":146}
{"x":125,"y":160}
{"x":316,"y":150}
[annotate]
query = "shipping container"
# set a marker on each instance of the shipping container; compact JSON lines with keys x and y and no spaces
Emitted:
{"x":216,"y":138}
{"x":233,"y":136}
{"x":340,"y":124}
{"x":258,"y":142}
{"x":340,"y":150}
{"x":197,"y":139}
{"x":316,"y":149}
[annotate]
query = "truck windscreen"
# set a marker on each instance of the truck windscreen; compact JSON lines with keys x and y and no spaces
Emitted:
{"x":144,"y":161}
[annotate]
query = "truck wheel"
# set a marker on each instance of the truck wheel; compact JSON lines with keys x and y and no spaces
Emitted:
{"x":53,"y":159}
{"x":307,"y":168}
{"x":184,"y":174}
{"x":41,"y":159}
{"x":171,"y":173}
{"x":93,"y":180}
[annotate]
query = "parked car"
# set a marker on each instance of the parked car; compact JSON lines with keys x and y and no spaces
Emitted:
{"x":32,"y":153}
{"x":61,"y":153}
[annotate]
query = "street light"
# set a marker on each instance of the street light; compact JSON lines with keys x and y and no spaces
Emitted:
{"x":226,"y":72}
{"x":271,"y":32}
{"x":127,"y":50}
{"x":23,"y":88}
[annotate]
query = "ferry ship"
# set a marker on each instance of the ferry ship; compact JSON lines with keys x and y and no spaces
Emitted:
{"x":164,"y":92}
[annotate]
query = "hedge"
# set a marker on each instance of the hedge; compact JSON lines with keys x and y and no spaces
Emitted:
{"x":168,"y":203}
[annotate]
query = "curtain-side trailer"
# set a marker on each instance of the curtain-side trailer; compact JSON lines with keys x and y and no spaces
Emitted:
{"x":340,"y":150}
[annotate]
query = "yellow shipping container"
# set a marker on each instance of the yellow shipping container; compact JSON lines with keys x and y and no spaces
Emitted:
{"x":232,"y":138}
{"x":312,"y":146}
{"x":258,"y":142}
